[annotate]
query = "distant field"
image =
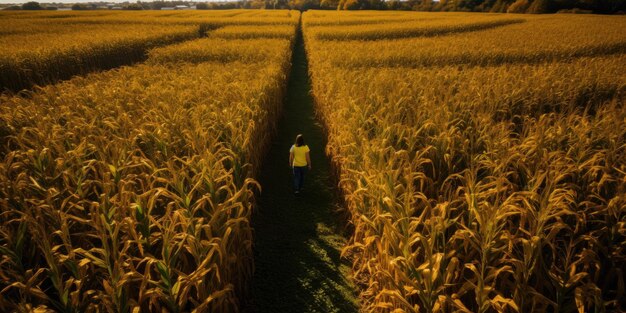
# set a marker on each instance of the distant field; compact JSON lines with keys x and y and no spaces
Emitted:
{"x":482,"y":157}
{"x":131,"y":189}
{"x":44,"y":47}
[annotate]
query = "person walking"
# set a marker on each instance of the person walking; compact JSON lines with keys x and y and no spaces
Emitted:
{"x":299,"y":161}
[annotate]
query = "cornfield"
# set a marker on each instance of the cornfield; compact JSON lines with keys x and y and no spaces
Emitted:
{"x":38,"y":57}
{"x":483,"y":159}
{"x":42,"y":48}
{"x":131,"y":189}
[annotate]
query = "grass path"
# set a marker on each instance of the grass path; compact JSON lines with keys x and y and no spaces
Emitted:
{"x":297,"y":239}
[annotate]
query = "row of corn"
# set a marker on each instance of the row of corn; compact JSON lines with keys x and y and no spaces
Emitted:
{"x":485,"y":171}
{"x":131,"y":190}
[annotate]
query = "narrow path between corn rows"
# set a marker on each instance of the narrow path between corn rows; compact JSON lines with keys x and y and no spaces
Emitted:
{"x":297,"y":239}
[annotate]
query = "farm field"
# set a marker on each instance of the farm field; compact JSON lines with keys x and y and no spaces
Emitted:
{"x":40,"y":48}
{"x":482,"y":157}
{"x":131,"y":189}
{"x":462,"y":162}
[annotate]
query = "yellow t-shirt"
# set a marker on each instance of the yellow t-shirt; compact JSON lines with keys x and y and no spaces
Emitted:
{"x":299,"y":155}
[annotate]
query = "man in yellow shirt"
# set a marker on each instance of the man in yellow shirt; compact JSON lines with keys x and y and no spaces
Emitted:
{"x":300,"y":161}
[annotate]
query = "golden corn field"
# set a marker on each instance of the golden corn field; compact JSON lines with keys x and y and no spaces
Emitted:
{"x":482,"y":157}
{"x":131,"y":189}
{"x":39,"y":49}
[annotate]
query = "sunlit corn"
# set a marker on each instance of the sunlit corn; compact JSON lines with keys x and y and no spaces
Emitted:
{"x":485,"y":171}
{"x":131,"y":190}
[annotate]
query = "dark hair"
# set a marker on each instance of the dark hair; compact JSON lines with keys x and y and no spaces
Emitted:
{"x":299,"y":140}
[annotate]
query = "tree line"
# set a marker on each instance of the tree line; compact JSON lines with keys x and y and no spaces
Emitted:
{"x":495,"y":6}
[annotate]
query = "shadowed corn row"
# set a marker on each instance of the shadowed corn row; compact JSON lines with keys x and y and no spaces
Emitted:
{"x":498,"y":189}
{"x":131,"y":189}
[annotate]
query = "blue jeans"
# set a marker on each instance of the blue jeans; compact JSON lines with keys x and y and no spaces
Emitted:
{"x":298,"y":177}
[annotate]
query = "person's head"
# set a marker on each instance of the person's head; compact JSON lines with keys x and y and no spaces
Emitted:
{"x":299,"y":140}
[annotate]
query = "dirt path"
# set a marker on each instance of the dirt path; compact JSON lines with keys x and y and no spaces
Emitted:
{"x":297,"y":240}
